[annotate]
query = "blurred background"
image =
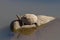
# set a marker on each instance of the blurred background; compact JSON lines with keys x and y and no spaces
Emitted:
{"x":9,"y":9}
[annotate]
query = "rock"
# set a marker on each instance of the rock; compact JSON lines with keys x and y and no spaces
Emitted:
{"x":29,"y":19}
{"x":43,"y":19}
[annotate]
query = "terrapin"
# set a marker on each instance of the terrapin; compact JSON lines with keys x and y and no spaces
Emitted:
{"x":29,"y":19}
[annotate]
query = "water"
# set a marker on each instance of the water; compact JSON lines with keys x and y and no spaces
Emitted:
{"x":9,"y":8}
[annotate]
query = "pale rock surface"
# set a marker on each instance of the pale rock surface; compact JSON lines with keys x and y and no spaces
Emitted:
{"x":43,"y":19}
